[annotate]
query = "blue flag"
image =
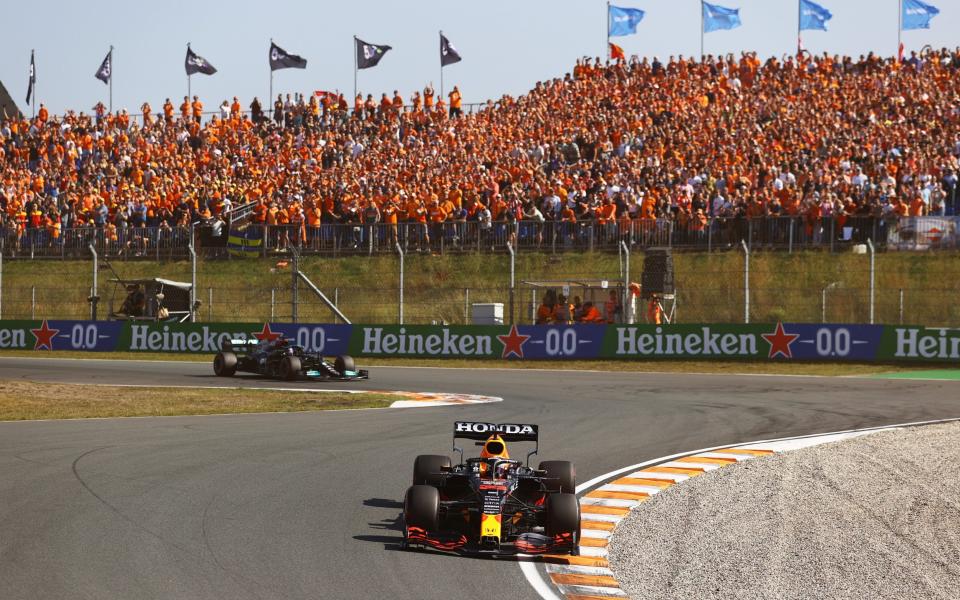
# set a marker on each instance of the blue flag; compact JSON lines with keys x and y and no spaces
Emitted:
{"x":917,"y":15}
{"x":719,"y":17}
{"x":813,"y":16}
{"x":623,"y":21}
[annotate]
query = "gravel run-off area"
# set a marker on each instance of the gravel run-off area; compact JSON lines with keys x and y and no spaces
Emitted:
{"x":877,"y":516}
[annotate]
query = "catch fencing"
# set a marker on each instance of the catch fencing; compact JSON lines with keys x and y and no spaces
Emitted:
{"x":458,"y":237}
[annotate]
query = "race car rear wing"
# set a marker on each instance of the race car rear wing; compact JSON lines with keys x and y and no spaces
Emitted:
{"x":509,"y":432}
{"x":239,"y":344}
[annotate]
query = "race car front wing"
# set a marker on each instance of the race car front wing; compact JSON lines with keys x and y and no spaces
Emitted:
{"x":524,"y":543}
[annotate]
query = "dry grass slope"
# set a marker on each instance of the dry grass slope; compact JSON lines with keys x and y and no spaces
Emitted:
{"x":440,"y":288}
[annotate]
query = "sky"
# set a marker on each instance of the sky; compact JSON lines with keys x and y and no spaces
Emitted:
{"x":507,"y":46}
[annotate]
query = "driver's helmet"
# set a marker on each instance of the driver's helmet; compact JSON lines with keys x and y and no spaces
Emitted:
{"x":494,"y":448}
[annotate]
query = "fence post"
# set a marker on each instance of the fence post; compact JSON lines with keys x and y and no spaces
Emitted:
{"x":823,"y":305}
{"x":336,"y":302}
{"x":466,"y":306}
{"x":295,"y":287}
{"x":626,"y":285}
{"x":33,"y":302}
{"x":273,"y":303}
{"x":872,"y":277}
{"x":209,"y":305}
{"x":400,"y":295}
{"x":746,"y":282}
{"x":513,"y":261}
{"x":193,"y":279}
{"x":790,"y":243}
{"x":901,"y":306}
{"x":710,"y":224}
{"x":94,"y":297}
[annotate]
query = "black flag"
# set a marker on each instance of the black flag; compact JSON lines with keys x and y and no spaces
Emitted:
{"x":368,"y":55}
{"x":33,"y":77}
{"x":195,"y":63}
{"x":106,"y":68}
{"x":448,"y":54}
{"x":280,"y":59}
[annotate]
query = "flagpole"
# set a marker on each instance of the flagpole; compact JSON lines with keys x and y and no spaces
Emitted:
{"x":701,"y":31}
{"x":799,"y":19}
{"x":441,"y":64}
{"x":270,"y":97}
{"x":33,"y":82}
{"x":899,"y":27}
{"x":189,"y":92}
{"x":111,"y":78}
{"x":608,"y":31}
{"x":354,"y":70}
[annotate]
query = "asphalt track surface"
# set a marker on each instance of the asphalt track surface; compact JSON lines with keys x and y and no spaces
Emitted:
{"x":307,"y":505}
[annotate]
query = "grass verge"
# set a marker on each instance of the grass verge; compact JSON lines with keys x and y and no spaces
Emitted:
{"x":729,"y":367}
{"x":22,"y":400}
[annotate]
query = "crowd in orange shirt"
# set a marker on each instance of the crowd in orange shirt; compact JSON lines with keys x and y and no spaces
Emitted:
{"x":616,"y":144}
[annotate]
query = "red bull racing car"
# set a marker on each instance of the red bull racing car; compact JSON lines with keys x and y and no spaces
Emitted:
{"x":492,"y":504}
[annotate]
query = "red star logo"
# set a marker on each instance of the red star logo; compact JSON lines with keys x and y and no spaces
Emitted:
{"x":266,"y":335}
{"x":44,"y":336}
{"x":779,"y":341}
{"x":513,"y":343}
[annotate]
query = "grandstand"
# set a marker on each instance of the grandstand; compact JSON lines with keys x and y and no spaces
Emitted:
{"x":809,"y":150}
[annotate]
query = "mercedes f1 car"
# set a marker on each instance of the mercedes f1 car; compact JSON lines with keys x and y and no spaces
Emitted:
{"x":492,"y":504}
{"x":283,"y":360}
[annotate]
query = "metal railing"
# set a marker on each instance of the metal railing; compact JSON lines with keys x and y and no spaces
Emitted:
{"x":717,"y":234}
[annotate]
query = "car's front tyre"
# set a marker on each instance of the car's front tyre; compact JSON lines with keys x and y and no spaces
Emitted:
{"x":563,"y":517}
{"x":421,"y":507}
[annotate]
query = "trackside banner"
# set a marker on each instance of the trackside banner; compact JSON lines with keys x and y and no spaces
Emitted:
{"x":757,"y":342}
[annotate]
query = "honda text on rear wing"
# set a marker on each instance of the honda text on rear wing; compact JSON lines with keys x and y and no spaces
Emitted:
{"x":510,"y":432}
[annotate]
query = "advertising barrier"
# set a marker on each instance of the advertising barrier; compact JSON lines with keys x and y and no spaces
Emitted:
{"x":758,"y":342}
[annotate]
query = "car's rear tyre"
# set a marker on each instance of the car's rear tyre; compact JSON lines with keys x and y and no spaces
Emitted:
{"x":344,"y":363}
{"x":225,"y":364}
{"x":421,"y":507}
{"x":562,"y":475}
{"x":563,"y":515}
{"x":426,"y":469}
{"x":289,"y":367}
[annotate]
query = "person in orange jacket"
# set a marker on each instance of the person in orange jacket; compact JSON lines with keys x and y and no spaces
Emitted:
{"x":591,"y":314}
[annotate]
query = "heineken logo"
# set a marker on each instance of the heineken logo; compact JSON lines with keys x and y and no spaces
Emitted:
{"x":701,"y":342}
{"x":443,"y":343}
{"x":927,"y":343}
{"x":151,"y":339}
{"x":13,"y":338}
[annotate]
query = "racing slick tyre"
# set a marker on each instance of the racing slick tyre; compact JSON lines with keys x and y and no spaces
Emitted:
{"x":562,"y":473}
{"x":289,"y":367}
{"x":421,"y":507}
{"x":344,"y":363}
{"x":225,"y":364}
{"x":563,"y":515}
{"x":426,"y":469}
